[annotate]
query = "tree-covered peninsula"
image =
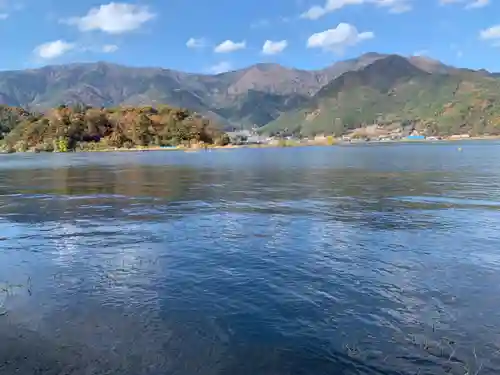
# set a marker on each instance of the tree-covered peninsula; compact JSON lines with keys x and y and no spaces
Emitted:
{"x":83,"y":128}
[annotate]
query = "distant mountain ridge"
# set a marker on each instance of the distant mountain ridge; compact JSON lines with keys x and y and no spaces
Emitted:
{"x":393,"y":92}
{"x":255,"y":96}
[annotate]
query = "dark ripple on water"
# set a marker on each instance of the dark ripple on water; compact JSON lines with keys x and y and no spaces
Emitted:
{"x":319,"y":261}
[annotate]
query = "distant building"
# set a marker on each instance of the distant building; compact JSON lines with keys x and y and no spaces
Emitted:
{"x":244,"y":137}
{"x":256,"y":140}
{"x":239,"y":137}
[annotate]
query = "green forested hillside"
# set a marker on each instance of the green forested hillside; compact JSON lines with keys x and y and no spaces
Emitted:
{"x":392,"y":91}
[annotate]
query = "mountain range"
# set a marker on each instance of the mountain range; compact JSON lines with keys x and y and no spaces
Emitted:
{"x":385,"y":89}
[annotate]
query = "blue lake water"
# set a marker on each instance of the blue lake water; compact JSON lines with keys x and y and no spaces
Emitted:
{"x":371,"y":259}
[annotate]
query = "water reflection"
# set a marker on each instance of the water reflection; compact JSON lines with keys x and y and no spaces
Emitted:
{"x":328,"y":260}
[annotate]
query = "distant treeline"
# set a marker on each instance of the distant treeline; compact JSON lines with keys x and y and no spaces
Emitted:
{"x":78,"y":127}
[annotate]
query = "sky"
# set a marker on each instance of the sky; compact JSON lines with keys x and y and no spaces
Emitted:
{"x":221,"y":35}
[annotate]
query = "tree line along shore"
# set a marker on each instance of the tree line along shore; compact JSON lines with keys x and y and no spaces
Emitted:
{"x":83,"y":128}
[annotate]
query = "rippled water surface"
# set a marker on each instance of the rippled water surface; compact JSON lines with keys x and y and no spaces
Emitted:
{"x":341,"y":260}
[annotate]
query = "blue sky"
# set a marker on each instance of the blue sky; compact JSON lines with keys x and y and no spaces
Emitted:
{"x":203,"y":36}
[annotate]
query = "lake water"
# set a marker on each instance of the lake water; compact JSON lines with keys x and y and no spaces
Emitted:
{"x":376,"y":259}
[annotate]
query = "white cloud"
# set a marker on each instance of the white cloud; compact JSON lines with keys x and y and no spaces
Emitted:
{"x":318,"y":11}
{"x":113,"y":18}
{"x":230,"y":46}
{"x":196,"y":43}
{"x":394,"y":6}
{"x":109,"y":48}
{"x":54,"y":49}
{"x":469,"y":4}
{"x":222,"y":67}
{"x":478,"y":4}
{"x":273,"y":48}
{"x":492,"y":33}
{"x":3,"y":16}
{"x":343,"y":36}
{"x":314,"y":12}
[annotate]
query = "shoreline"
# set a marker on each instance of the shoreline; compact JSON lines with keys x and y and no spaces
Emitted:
{"x":293,"y":145}
{"x":290,"y":145}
